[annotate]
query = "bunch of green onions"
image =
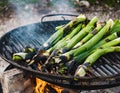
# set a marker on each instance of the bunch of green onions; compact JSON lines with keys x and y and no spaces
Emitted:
{"x":80,"y":41}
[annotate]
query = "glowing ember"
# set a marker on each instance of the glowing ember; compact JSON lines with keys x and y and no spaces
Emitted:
{"x":45,"y":87}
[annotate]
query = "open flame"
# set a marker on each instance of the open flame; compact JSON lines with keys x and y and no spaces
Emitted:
{"x":45,"y":87}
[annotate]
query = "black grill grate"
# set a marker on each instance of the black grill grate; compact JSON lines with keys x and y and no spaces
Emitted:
{"x":108,"y":65}
{"x":104,"y":74}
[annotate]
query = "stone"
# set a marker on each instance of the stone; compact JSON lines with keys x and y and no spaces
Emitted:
{"x":14,"y":81}
{"x":3,"y":66}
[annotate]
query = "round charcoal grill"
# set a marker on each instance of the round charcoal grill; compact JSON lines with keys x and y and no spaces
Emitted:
{"x":104,"y":74}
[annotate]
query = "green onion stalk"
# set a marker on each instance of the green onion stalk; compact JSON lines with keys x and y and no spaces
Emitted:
{"x":59,"y":27}
{"x":72,"y":42}
{"x":27,"y":54}
{"x":67,"y":56}
{"x":63,"y":41}
{"x":83,"y":68}
{"x":89,"y":36}
{"x":80,"y":58}
{"x":111,"y":40}
{"x":59,"y":34}
{"x":22,"y":56}
{"x":116,"y":27}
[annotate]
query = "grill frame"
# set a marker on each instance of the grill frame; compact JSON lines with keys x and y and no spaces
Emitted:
{"x":85,"y":83}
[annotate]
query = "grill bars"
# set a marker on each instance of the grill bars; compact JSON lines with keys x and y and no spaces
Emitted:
{"x":103,"y":74}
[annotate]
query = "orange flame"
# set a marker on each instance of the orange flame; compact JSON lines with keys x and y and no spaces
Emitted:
{"x":41,"y":87}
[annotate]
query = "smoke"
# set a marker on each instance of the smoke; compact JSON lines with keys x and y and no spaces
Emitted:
{"x":24,"y":11}
{"x":27,"y":11}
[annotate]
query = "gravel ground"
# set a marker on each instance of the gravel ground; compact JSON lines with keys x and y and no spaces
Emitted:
{"x":23,"y":18}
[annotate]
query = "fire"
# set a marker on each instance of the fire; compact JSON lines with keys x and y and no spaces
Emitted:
{"x":45,"y":87}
